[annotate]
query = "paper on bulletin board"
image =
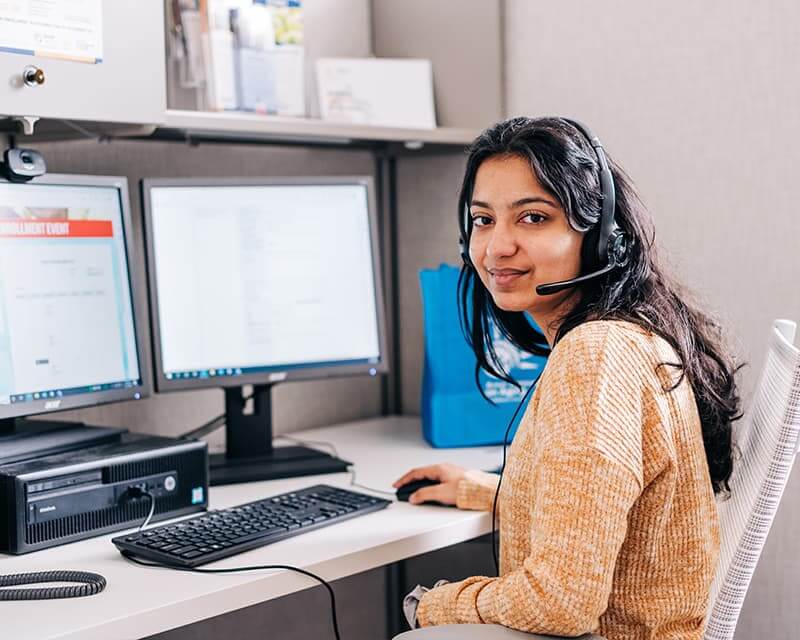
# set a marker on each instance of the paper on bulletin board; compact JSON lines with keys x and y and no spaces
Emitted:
{"x":377,"y":91}
{"x":64,"y":30}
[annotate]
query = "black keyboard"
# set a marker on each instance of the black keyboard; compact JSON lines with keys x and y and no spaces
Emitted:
{"x":219,"y":534}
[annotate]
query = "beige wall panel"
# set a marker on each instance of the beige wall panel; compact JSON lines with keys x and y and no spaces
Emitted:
{"x":296,"y":405}
{"x":699,"y":102}
{"x":463,"y":40}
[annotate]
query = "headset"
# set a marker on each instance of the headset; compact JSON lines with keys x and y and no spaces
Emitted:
{"x":606,"y":247}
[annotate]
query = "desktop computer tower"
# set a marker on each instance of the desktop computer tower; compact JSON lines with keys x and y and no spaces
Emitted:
{"x":55,"y":499}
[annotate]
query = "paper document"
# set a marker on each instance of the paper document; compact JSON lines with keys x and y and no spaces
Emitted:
{"x":377,"y":91}
{"x":65,"y":30}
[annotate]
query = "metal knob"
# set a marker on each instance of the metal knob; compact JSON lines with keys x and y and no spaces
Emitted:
{"x":33,"y":76}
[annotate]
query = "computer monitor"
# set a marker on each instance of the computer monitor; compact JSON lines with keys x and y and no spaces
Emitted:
{"x":68,"y":328}
{"x":259,"y":282}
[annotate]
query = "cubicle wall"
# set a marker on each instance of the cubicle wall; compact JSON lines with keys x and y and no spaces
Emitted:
{"x":297,"y":404}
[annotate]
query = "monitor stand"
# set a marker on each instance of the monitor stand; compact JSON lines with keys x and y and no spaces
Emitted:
{"x":22,"y":439}
{"x":249,"y":455}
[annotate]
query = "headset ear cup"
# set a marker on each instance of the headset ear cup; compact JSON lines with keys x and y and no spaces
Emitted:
{"x":619,"y":248}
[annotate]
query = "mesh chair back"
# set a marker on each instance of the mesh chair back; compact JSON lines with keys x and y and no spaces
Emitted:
{"x":768,"y":442}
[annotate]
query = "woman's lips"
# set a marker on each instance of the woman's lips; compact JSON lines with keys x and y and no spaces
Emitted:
{"x":505,"y":277}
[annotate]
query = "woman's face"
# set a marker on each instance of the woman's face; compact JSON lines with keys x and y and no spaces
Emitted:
{"x":520,"y":238}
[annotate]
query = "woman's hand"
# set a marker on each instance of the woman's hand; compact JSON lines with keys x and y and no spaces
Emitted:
{"x":447,"y":475}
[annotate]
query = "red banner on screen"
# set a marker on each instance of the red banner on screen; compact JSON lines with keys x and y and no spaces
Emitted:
{"x":56,"y":229}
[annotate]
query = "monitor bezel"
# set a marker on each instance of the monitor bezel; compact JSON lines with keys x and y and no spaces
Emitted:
{"x":94,"y":398}
{"x":276,"y":374}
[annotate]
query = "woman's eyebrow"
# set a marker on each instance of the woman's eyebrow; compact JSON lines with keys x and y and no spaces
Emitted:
{"x":480,"y":203}
{"x":533,"y":200}
{"x":517,"y":203}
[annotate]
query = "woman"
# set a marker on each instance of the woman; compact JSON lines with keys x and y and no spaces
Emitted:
{"x":606,"y":510}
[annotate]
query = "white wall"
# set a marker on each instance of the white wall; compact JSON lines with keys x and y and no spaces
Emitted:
{"x":699,"y":102}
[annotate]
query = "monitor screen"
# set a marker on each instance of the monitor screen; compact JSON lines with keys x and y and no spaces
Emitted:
{"x":257,"y":282}
{"x":67,"y":329}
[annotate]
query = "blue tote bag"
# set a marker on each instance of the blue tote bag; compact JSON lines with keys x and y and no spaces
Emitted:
{"x":454,"y":413}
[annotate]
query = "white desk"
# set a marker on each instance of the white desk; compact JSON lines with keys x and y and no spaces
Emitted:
{"x":140,"y":601}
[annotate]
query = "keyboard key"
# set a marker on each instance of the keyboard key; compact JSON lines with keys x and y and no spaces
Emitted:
{"x":181,"y":550}
{"x":260,"y":534}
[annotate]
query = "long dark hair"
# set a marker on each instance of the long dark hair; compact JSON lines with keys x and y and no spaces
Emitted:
{"x":641,"y":292}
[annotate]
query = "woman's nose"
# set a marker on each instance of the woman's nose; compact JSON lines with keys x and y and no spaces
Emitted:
{"x":501,"y":243}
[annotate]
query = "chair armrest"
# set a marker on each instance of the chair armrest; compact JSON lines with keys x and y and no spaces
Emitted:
{"x":478,"y":632}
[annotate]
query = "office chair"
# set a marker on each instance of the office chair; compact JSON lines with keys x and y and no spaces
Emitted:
{"x":768,"y":441}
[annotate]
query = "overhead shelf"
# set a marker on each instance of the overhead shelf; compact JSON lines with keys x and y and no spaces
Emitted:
{"x":199,"y":125}
{"x":229,"y":126}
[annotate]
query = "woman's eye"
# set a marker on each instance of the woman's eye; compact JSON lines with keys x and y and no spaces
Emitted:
{"x":480,"y":221}
{"x":534,"y":218}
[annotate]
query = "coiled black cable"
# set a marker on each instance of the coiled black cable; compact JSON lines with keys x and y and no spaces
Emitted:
{"x":91,"y":584}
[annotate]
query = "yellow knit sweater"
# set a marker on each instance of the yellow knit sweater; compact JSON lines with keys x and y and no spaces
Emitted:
{"x":606,"y":512}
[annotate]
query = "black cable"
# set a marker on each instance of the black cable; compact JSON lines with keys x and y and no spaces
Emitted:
{"x":138,"y":492}
{"x":212,"y":425}
{"x":135,"y":492}
{"x":335,"y":452}
{"x":207,"y":427}
{"x":500,"y":480}
{"x":91,"y":584}
{"x":216,"y":422}
{"x":269,"y":567}
{"x":353,"y":483}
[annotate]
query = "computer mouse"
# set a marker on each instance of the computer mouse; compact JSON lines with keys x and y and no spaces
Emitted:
{"x":407,"y":489}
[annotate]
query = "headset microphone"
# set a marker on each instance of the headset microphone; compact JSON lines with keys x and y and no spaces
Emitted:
{"x":555,"y":287}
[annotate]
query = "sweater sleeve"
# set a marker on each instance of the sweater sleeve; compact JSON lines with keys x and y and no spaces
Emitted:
{"x":588,"y":477}
{"x":476,"y":490}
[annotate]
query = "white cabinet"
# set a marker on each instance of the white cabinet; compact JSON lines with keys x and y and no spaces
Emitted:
{"x":128,"y":86}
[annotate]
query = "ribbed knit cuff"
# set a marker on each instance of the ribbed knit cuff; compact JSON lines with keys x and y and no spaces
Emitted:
{"x":452,"y":603}
{"x":486,"y":603}
{"x":476,"y":490}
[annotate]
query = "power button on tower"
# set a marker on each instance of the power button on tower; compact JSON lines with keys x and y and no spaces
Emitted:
{"x":169,"y":483}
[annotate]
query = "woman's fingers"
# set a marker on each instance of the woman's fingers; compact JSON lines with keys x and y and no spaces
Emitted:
{"x":420,"y":473}
{"x":443,"y":493}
